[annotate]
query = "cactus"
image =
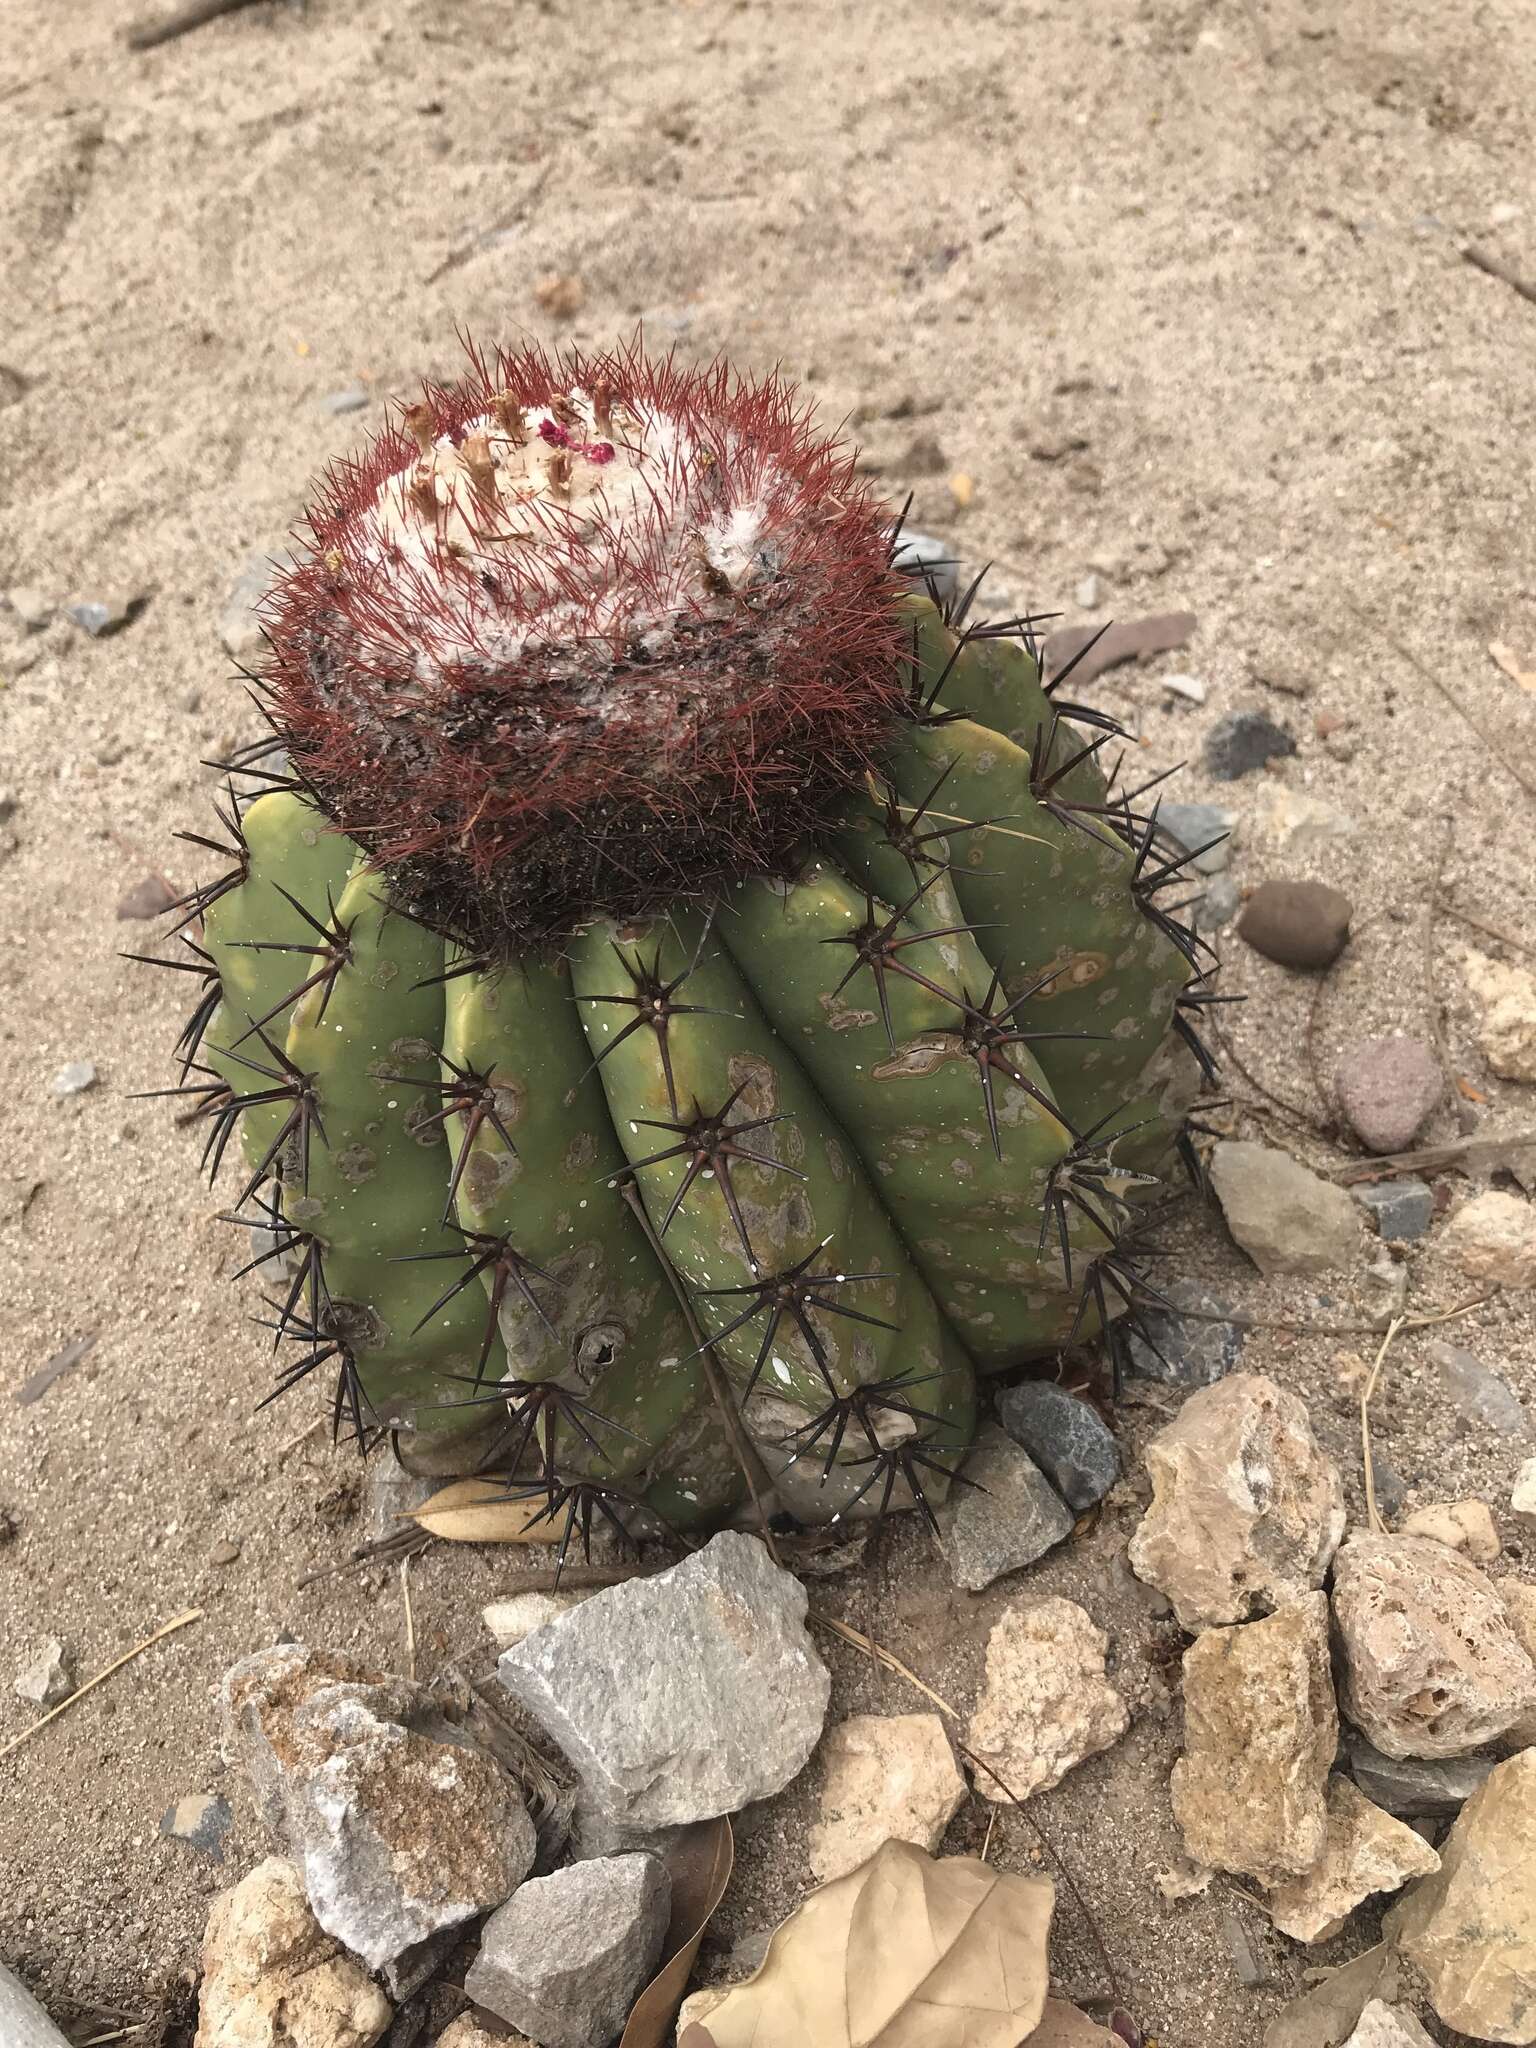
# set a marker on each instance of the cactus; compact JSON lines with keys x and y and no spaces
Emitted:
{"x":684,"y":1001}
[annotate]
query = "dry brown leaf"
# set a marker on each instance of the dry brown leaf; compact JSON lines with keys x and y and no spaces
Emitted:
{"x":476,"y":1511}
{"x":700,"y":1868}
{"x":1068,"y":2026}
{"x":1507,"y":659}
{"x":561,"y":297}
{"x":907,"y":1951}
{"x":1330,"y":2012}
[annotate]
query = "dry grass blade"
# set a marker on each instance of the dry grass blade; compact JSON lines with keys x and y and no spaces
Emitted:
{"x":182,"y":1621}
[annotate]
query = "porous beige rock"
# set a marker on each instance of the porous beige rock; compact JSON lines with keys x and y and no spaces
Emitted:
{"x":889,"y":1777}
{"x":1045,"y":1703}
{"x":1431,"y":1664}
{"x":1493,"y":1239}
{"x":1465,"y":1525}
{"x":1387,"y":2026}
{"x":1471,"y":1928}
{"x":466,"y":2032}
{"x":1506,"y":998}
{"x":1520,"y":1605}
{"x":1246,"y":1509}
{"x":1522,"y":1499}
{"x":1260,"y":1732}
{"x":273,"y":1979}
{"x":1367,"y":1851}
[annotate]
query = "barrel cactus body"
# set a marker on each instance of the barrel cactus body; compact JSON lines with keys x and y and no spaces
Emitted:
{"x":684,"y":1002}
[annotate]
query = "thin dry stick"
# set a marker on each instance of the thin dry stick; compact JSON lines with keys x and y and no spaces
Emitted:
{"x":150,"y":34}
{"x":1493,"y":266}
{"x":1424,"y":1322}
{"x":1367,"y":1395}
{"x":410,"y":1618}
{"x":759,"y":1485}
{"x":1485,"y":926}
{"x":182,"y":1621}
{"x":1304,"y":1117}
{"x":294,"y":1441}
{"x":1497,"y":747}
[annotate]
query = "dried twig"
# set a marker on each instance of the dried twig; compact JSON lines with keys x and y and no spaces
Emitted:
{"x":403,"y":1542}
{"x":1424,"y":1322}
{"x":458,"y":256}
{"x":1305,"y":1117}
{"x":1494,"y":266}
{"x":1486,"y":927}
{"x":196,"y":14}
{"x":182,"y":1621}
{"x":410,"y":1618}
{"x":1474,"y":1151}
{"x":1367,"y":1395}
{"x":1497,"y":745}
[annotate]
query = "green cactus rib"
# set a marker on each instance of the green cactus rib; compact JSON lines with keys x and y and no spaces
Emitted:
{"x":574,"y":1284}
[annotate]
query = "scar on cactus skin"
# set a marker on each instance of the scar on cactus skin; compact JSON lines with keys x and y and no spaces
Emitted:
{"x":666,"y":935}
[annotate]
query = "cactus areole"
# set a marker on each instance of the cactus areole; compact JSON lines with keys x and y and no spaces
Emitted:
{"x":683,"y":998}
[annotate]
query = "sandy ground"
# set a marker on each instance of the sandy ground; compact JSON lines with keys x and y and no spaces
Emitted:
{"x":1176,"y":285}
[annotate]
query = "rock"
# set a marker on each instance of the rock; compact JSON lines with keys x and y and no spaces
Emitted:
{"x":272,"y":1979}
{"x":46,"y":1680}
{"x":1476,"y":1391}
{"x":681,"y":1696}
{"x":400,"y":1824}
{"x":1506,"y":996}
{"x":201,"y":1820}
{"x":1366,"y":1851}
{"x":1522,"y":1499}
{"x":1215,"y":910}
{"x":34,"y":610}
{"x":1182,"y":1351}
{"x":593,"y":1834}
{"x":1065,"y":1437}
{"x":1087,"y":596}
{"x":1260,"y":1732}
{"x":227,"y":1551}
{"x":1297,"y":822}
{"x":1388,"y":1088}
{"x":889,"y":1777}
{"x":74,"y":1078}
{"x":1493,"y":1239}
{"x":920,"y":552}
{"x":512,"y":1619}
{"x":1387,"y":2026}
{"x":1006,"y":1518}
{"x":1246,"y":1509}
{"x":1414,"y":1787}
{"x":1297,"y":924}
{"x":390,"y":1491}
{"x":1520,"y":1605}
{"x":1045,"y":1702}
{"x":147,"y":898}
{"x":240,"y":630}
{"x":1384,"y":1290}
{"x":1431,"y":1665}
{"x":565,"y":1956}
{"x":1471,"y":1929}
{"x":353,"y":399}
{"x":1284,"y":1217}
{"x":100,"y":618}
{"x":466,"y":2032}
{"x":1391,"y":1487}
{"x":1460,"y":1525}
{"x":1190,"y":688}
{"x":1402,"y":1209}
{"x":1204,"y":830}
{"x":1243,"y":741}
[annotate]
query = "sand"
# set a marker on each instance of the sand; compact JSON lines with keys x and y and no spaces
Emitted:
{"x":1177,"y":287}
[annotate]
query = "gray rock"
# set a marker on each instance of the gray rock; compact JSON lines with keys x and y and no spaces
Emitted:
{"x":1243,"y":741}
{"x":563,"y":1959}
{"x":1188,"y":1353}
{"x":1195,"y":826}
{"x":240,"y":631}
{"x":1480,"y":1394}
{"x":920,"y":553}
{"x":1007,"y":1517}
{"x":1391,"y":1487}
{"x":1215,"y":910}
{"x":46,"y":1680}
{"x":681,"y":1696}
{"x":100,"y":618}
{"x":1388,"y":1088}
{"x":1384,"y":1290}
{"x":353,"y":399}
{"x":1297,"y":924}
{"x":201,"y":1820}
{"x":1285,"y":1218}
{"x":1065,"y":1437}
{"x":1415,"y":1787}
{"x":1402,"y":1209}
{"x":74,"y":1079}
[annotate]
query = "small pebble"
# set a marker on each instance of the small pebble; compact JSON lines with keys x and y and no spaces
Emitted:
{"x":920,"y":552}
{"x":1403,"y":1209}
{"x":1388,"y":1088}
{"x":1465,"y":1525}
{"x":1297,"y":924}
{"x":1190,"y":688}
{"x":1221,"y":902}
{"x":30,"y":606}
{"x":1479,"y":1394}
{"x":1385,"y":1289}
{"x":1204,"y":830}
{"x":353,"y":399}
{"x":201,"y":1820}
{"x":46,"y":1681}
{"x":1243,"y":741}
{"x":1089,"y":594}
{"x":224,"y":1552}
{"x":1188,"y":1353}
{"x":148,"y":898}
{"x":74,"y":1079}
{"x":1391,"y":1488}
{"x":1522,"y":1500}
{"x":101,"y":618}
{"x":1065,"y":1437}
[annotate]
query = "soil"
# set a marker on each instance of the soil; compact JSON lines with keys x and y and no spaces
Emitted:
{"x":1177,"y":286}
